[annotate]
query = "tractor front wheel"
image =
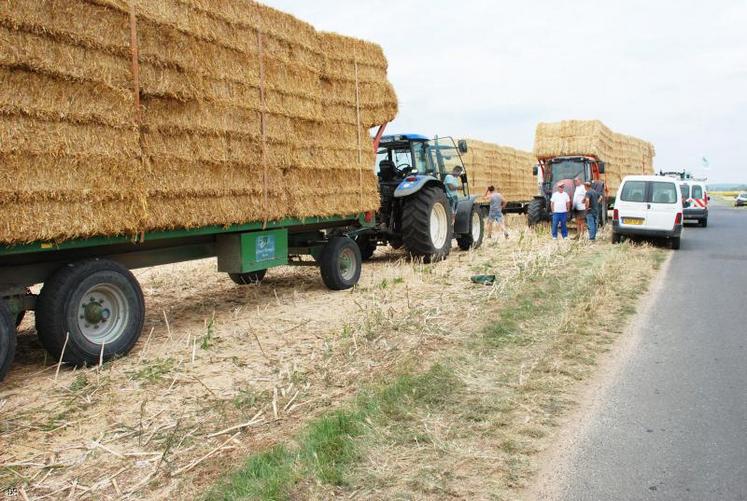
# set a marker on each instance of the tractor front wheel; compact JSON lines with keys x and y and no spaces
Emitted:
{"x":427,"y":225}
{"x":473,"y":239}
{"x":7,"y":339}
{"x":536,"y":212}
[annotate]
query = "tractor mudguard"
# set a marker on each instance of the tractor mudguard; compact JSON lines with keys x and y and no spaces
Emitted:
{"x":463,"y":216}
{"x":407,"y":187}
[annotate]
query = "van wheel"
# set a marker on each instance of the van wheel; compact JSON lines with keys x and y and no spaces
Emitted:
{"x":675,"y":243}
{"x":704,"y":223}
{"x":7,"y":339}
{"x":616,"y":238}
{"x":90,"y":303}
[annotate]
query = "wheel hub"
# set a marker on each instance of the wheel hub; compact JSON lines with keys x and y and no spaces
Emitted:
{"x":103,"y":313}
{"x":346,"y":264}
{"x":95,"y":312}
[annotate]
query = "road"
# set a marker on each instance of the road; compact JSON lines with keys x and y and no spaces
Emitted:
{"x":673,"y":423}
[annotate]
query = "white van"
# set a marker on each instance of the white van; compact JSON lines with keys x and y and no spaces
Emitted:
{"x":695,"y":200}
{"x":648,"y":206}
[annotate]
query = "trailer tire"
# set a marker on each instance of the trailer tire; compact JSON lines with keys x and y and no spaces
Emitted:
{"x":366,"y":246}
{"x":7,"y":339}
{"x":427,"y":225}
{"x":96,"y":302}
{"x":473,"y":239}
{"x":340,"y":263}
{"x":250,"y":278}
{"x":535,"y":212}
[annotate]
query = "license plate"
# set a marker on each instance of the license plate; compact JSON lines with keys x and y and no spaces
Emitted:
{"x":633,"y":221}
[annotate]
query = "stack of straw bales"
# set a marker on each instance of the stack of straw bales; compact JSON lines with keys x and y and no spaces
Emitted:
{"x":624,"y":155}
{"x":245,"y":113}
{"x":508,"y":169}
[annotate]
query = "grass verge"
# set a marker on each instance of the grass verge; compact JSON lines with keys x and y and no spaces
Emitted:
{"x":468,"y":422}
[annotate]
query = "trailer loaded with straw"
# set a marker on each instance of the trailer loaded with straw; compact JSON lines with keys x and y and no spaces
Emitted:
{"x":145,"y":132}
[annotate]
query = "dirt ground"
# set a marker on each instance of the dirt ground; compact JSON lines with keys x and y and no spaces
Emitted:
{"x":222,"y":371}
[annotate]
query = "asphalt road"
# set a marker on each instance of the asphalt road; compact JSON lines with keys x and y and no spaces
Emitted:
{"x":673,"y":425}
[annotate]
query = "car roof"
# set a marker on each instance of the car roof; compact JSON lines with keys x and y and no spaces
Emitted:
{"x":651,"y":178}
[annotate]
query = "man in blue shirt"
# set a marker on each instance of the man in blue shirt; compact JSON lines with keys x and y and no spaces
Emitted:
{"x":452,"y":182}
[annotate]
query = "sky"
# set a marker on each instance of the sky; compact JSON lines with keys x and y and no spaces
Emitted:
{"x":671,"y":72}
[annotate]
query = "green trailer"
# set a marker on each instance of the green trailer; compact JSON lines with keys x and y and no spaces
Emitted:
{"x":91,"y":306}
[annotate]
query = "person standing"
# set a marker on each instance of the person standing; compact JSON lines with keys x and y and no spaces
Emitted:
{"x":592,"y":203}
{"x":452,"y":182}
{"x":579,"y":207}
{"x":495,"y":214}
{"x":560,"y":205}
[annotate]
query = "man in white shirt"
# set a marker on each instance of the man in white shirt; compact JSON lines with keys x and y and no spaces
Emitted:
{"x":579,"y":207}
{"x":560,"y":205}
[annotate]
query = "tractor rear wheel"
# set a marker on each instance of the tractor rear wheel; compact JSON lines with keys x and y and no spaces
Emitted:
{"x":367,"y":247}
{"x":427,"y":225}
{"x":536,"y":212}
{"x":473,"y":239}
{"x":250,"y":278}
{"x":89,"y":306}
{"x":7,"y":339}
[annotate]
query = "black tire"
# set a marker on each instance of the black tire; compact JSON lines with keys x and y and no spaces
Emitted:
{"x":704,"y":223}
{"x":7,"y":339}
{"x":616,"y":238}
{"x":98,"y":291}
{"x":250,"y":278}
{"x":473,"y":240}
{"x":675,"y":243}
{"x":416,"y":224}
{"x":535,"y":212}
{"x":366,"y":246}
{"x":340,"y":263}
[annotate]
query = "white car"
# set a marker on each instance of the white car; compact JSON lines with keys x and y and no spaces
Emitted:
{"x":648,"y":206}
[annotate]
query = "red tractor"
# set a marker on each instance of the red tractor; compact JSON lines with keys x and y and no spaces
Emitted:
{"x":552,"y":172}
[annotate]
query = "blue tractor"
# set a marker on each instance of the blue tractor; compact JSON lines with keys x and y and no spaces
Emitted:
{"x":425,"y":198}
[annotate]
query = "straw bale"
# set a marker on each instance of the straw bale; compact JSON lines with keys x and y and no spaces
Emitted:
{"x":200,"y":156}
{"x":624,"y":155}
{"x":508,"y":169}
{"x":48,"y":98}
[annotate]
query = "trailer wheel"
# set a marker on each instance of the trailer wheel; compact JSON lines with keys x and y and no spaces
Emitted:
{"x":367,"y":247}
{"x":340,"y":263}
{"x":97,"y":302}
{"x":427,"y":225}
{"x":7,"y":339}
{"x":251,"y":278}
{"x":473,"y":239}
{"x":535,"y":212}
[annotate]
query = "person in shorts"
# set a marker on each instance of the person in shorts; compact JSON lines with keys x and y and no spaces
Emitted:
{"x":579,"y":207}
{"x":495,"y":214}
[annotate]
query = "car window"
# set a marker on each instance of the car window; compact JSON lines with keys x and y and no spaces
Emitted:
{"x":697,"y":191}
{"x":634,"y":191}
{"x":663,"y":193}
{"x":685,"y":188}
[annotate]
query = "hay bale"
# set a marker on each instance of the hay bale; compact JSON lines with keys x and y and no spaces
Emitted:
{"x":78,"y":163}
{"x":624,"y":155}
{"x":508,"y":169}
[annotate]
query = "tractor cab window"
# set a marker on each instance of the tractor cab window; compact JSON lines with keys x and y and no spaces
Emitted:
{"x":420,"y":158}
{"x":568,"y":169}
{"x":402,"y":158}
{"x":445,"y":156}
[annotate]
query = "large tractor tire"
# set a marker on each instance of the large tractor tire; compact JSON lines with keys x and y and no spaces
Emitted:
{"x":7,"y":339}
{"x":536,"y":212}
{"x":427,"y":225}
{"x":250,"y":278}
{"x":473,"y":239}
{"x":366,"y":246}
{"x":340,"y":263}
{"x":90,"y":303}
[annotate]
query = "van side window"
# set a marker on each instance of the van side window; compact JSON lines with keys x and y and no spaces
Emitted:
{"x":697,"y":191}
{"x":634,"y":191}
{"x":663,"y":193}
{"x":685,"y":190}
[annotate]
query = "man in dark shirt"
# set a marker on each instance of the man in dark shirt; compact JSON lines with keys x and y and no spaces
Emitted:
{"x":592,"y":202}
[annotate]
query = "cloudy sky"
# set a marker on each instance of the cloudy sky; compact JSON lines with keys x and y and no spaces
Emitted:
{"x":672,"y":72}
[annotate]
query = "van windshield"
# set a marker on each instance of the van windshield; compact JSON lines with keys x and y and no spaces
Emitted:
{"x":697,"y":192}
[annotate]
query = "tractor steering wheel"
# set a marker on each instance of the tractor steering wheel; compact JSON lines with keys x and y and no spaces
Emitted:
{"x":404,"y":169}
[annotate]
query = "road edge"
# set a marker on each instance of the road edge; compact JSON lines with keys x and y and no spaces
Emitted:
{"x":554,"y":462}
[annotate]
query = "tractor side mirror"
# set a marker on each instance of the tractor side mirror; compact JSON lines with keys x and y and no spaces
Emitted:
{"x":463,"y":148}
{"x":535,"y":170}
{"x":602,"y":167}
